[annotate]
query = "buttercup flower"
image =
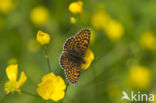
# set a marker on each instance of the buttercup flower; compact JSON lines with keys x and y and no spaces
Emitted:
{"x":13,"y":85}
{"x":6,"y":5}
{"x":43,"y":38}
{"x":52,"y":87}
{"x":114,"y":30}
{"x":73,"y":20}
{"x":76,"y":7}
{"x":89,"y":57}
{"x":39,"y":15}
{"x":148,"y":40}
{"x":100,"y":19}
{"x":140,"y":77}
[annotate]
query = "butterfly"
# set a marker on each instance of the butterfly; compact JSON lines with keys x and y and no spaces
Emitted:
{"x":72,"y":55}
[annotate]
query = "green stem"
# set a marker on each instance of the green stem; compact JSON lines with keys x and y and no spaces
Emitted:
{"x":47,"y":58}
{"x":67,"y":85}
{"x":81,"y":21}
{"x":30,"y":94}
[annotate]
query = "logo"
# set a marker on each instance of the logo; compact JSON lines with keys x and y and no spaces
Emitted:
{"x":138,"y":97}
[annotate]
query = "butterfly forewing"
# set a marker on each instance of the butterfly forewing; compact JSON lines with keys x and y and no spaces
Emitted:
{"x":69,"y":45}
{"x":81,"y":41}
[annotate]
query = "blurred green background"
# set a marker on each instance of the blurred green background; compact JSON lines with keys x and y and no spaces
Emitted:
{"x":123,"y":40}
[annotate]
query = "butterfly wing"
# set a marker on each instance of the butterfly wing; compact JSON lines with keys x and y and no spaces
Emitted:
{"x":69,"y":45}
{"x":73,"y":74}
{"x":79,"y":43}
{"x":71,"y":68}
{"x":75,"y":45}
{"x":82,"y":41}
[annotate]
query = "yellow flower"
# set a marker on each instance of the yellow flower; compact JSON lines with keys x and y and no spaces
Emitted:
{"x":14,"y":85}
{"x":88,"y":58}
{"x":6,"y":5}
{"x":114,"y":30}
{"x":73,"y":20}
{"x":39,"y":15}
{"x":100,"y":19}
{"x":52,"y":87}
{"x":43,"y":38}
{"x":140,"y":77}
{"x":76,"y":7}
{"x":148,"y":40}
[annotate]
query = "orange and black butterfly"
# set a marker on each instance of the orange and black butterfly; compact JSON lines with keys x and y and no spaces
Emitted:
{"x":72,"y":55}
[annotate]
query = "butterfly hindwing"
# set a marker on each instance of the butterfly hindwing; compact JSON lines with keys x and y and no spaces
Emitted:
{"x":71,"y":68}
{"x":73,"y":74}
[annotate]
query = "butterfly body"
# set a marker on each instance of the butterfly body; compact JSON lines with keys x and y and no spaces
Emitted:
{"x":75,"y":58}
{"x":72,"y":55}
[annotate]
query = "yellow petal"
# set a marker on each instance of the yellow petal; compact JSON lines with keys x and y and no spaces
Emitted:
{"x":45,"y":89}
{"x":89,"y":57}
{"x":48,"y":76}
{"x":59,"y":84}
{"x":22,"y":79}
{"x":76,"y":7}
{"x":11,"y":72}
{"x":43,"y":38}
{"x":52,"y":87}
{"x":10,"y":86}
{"x":57,"y":95}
